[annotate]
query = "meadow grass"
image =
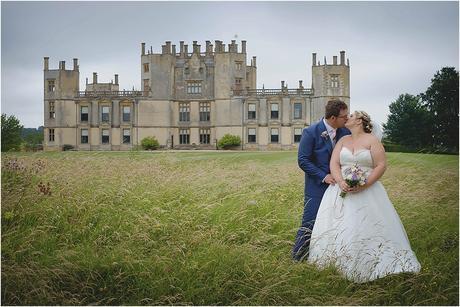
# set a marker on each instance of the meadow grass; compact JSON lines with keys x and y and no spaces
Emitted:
{"x":203,"y":228}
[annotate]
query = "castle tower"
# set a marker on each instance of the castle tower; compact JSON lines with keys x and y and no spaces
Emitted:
{"x":60,"y":87}
{"x":329,"y":81}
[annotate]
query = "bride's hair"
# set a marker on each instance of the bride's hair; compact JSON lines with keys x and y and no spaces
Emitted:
{"x":367,"y":125}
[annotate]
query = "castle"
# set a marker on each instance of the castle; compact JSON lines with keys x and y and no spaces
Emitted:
{"x":187,"y":100}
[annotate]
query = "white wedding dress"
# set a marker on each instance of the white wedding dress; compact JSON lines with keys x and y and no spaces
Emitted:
{"x":360,"y":234}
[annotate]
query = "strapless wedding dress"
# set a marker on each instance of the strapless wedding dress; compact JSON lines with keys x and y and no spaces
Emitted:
{"x":360,"y":234}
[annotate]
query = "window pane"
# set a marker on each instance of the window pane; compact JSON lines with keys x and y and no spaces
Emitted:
{"x":126,"y":132}
{"x":297,"y":110}
{"x":274,"y":107}
{"x":274,"y":131}
{"x":252,"y":107}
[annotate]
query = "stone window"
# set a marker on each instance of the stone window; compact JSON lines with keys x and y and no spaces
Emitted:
{"x":205,"y":111}
{"x":335,"y":81}
{"x":274,"y":111}
{"x":84,"y":136}
{"x":297,"y":110}
{"x":51,"y":86}
{"x":184,"y":136}
{"x":52,"y":113}
{"x":239,"y":65}
{"x":126,"y":136}
{"x":251,"y":111}
{"x":194,"y":87}
{"x":84,"y":114}
{"x":297,"y":135}
{"x":251,"y":135}
{"x":126,"y":113}
{"x":146,"y":67}
{"x":105,"y":136}
{"x":274,"y":135}
{"x":184,"y":112}
{"x":205,"y":136}
{"x":51,"y":135}
{"x":146,"y":85}
{"x":105,"y":113}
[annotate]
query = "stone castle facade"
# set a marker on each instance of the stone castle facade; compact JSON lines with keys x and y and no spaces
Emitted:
{"x":187,"y":100}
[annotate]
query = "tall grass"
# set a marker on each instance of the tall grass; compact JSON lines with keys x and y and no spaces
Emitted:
{"x":206,"y":228}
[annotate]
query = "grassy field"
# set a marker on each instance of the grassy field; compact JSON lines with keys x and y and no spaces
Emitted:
{"x":203,"y":228}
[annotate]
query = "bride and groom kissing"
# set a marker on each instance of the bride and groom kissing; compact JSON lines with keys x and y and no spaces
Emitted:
{"x":352,"y":227}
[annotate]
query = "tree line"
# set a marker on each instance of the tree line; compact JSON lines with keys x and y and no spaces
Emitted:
{"x":427,"y":121}
{"x":15,"y":137}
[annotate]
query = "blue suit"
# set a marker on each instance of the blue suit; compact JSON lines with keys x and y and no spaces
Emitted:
{"x":314,"y":156}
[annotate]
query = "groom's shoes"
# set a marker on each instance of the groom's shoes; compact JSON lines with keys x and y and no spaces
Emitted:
{"x":300,"y":255}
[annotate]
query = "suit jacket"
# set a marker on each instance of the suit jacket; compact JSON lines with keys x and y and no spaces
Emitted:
{"x":314,"y":156}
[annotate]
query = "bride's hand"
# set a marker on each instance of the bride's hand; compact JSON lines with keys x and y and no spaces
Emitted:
{"x":358,"y":188}
{"x":344,"y":186}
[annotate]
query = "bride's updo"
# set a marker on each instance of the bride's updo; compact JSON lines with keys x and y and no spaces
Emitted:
{"x":367,"y":125}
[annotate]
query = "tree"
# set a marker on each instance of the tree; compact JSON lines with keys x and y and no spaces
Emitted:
{"x":11,"y":133}
{"x":441,"y":99}
{"x":409,"y":122}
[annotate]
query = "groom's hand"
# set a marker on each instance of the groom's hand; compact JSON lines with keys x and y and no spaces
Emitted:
{"x":329,"y":179}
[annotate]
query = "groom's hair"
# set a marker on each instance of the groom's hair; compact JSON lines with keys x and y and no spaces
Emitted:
{"x":333,"y":108}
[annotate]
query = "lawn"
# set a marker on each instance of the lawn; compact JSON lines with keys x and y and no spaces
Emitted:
{"x":203,"y":228}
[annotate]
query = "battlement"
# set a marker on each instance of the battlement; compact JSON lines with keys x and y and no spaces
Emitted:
{"x":334,"y":60}
{"x":61,"y":65}
{"x":210,"y":49}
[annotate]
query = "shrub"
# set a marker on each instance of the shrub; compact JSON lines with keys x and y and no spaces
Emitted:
{"x":150,"y":143}
{"x":67,"y":147}
{"x":228,"y":141}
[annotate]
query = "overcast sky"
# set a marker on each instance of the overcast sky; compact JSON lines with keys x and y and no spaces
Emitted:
{"x":393,"y":47}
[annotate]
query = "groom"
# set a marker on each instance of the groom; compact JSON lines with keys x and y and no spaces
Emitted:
{"x":315,"y":150}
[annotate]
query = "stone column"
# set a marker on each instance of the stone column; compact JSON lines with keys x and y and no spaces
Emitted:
{"x":262,"y":111}
{"x":116,"y":113}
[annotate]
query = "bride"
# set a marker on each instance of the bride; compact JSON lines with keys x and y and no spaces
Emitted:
{"x":360,"y":233}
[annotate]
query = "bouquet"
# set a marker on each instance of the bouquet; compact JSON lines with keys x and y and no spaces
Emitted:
{"x":354,"y":176}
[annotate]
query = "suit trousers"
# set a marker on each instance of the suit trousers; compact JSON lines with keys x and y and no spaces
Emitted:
{"x":302,"y":241}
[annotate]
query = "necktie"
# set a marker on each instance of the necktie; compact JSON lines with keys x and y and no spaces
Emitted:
{"x":333,"y":137}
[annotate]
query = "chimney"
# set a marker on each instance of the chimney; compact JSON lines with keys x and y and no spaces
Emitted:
{"x":254,"y":61}
{"x":300,"y":84}
{"x":208,"y":50}
{"x":194,"y":47}
{"x":234,"y":47}
{"x":46,"y":63}
{"x":314,"y":59}
{"x":325,"y":62}
{"x":348,"y":62}
{"x":230,"y":49}
{"x":143,"y":49}
{"x":86,"y":81}
{"x":185,"y":50}
{"x":94,"y":78}
{"x":282,"y":84}
{"x":163,"y":49}
{"x":116,"y":79}
{"x":181,"y":48}
{"x":63,"y":65}
{"x":173,"y":50}
{"x":243,"y":46}
{"x":334,"y":60}
{"x":342,"y":57}
{"x":75,"y":64}
{"x":168,"y":47}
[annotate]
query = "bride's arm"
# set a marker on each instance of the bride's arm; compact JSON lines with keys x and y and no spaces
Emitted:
{"x":380,"y":162}
{"x":335,"y":168}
